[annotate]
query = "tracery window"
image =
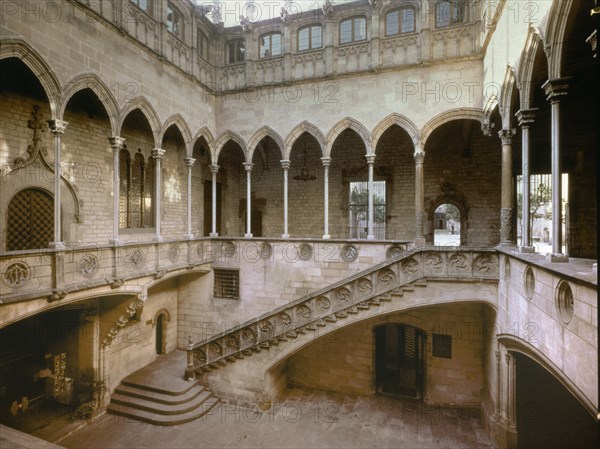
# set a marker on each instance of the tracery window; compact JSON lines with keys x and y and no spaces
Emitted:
{"x":270,"y":45}
{"x":202,"y":44}
{"x":236,"y":51}
{"x":353,"y":29}
{"x":174,"y":20}
{"x":30,"y":220}
{"x":310,"y":37}
{"x":136,"y":201}
{"x":400,"y":20}
{"x":450,"y":12}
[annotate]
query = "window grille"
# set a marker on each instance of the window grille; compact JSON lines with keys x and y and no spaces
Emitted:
{"x":30,"y":220}
{"x":227,"y":284}
{"x":442,"y":346}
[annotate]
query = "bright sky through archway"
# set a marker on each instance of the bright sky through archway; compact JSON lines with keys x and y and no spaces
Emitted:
{"x":264,"y":9}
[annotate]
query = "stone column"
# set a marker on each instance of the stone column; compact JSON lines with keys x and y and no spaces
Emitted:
{"x":511,"y":397}
{"x":285,"y":164}
{"x":507,"y":202}
{"x":214,"y":169}
{"x":57,"y":127}
{"x":370,"y":163}
{"x":419,"y":197}
{"x":526,"y":118}
{"x":248,"y":166}
{"x":555,"y":89}
{"x":157,"y":154}
{"x":326,"y":161}
{"x":189,"y":163}
{"x":117,"y":143}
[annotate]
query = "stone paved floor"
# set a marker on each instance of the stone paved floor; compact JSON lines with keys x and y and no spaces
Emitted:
{"x":303,"y":418}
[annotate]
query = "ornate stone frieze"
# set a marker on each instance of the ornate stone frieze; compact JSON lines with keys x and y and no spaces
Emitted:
{"x":349,"y":253}
{"x":17,"y":275}
{"x":88,"y":265}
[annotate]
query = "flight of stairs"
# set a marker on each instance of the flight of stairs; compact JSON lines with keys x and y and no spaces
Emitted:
{"x":160,"y":406}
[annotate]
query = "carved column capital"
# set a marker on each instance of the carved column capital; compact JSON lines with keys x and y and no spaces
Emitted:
{"x":370,"y":159}
{"x":506,"y":136}
{"x":556,"y":88}
{"x":526,"y":117}
{"x":189,"y":162}
{"x":419,"y":157}
{"x":158,"y":153}
{"x":248,"y":166}
{"x":214,"y":168}
{"x":285,"y":164}
{"x":57,"y":126}
{"x":486,"y":128}
{"x":326,"y":161}
{"x":116,"y":142}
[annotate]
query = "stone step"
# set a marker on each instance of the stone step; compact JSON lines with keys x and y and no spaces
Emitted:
{"x":141,"y":386}
{"x":149,"y":405}
{"x":161,"y":419}
{"x":161,"y":398}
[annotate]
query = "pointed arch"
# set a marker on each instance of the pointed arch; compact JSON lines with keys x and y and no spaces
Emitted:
{"x":394,"y":119}
{"x":203,"y":132}
{"x":341,"y":126}
{"x":297,"y":131}
{"x":182,"y":126}
{"x":260,"y":135}
{"x":93,"y":82}
{"x":524,"y":74}
{"x":16,"y":48}
{"x":448,"y":116}
{"x":228,"y":135}
{"x":149,"y":112}
{"x":558,"y":18}
{"x":506,"y":97}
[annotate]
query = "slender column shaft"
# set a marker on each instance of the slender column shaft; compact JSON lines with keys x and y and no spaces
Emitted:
{"x":57,"y":127}
{"x":189,"y":162}
{"x":370,"y":164}
{"x":555,"y":89}
{"x":248,"y":166}
{"x":419,"y":197}
{"x":326,"y":161}
{"x":157,"y":154}
{"x":285,"y":165}
{"x":526,"y":118}
{"x":117,"y":143}
{"x":214,"y":169}
{"x":506,"y":200}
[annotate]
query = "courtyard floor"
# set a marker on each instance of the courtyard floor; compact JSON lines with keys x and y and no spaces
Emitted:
{"x":303,"y":418}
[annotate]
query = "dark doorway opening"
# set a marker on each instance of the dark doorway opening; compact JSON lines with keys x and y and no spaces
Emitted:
{"x":160,"y":334}
{"x":400,"y":360}
{"x":208,"y":208}
{"x":548,"y":415}
{"x":256,"y":223}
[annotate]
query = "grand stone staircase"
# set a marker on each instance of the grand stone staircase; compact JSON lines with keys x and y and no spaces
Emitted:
{"x":157,"y":395}
{"x":383,"y":283}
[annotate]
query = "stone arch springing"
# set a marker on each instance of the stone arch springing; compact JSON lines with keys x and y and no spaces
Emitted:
{"x":448,"y":116}
{"x":16,"y":48}
{"x":341,"y":126}
{"x":218,"y":145}
{"x":95,"y":84}
{"x":506,"y":97}
{"x":149,"y":112}
{"x":304,"y":127}
{"x":205,"y":133}
{"x":260,"y":135}
{"x":556,"y":28}
{"x":394,"y":119}
{"x":526,"y":65}
{"x":182,"y":126}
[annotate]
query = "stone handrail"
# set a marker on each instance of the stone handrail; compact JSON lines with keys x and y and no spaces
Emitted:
{"x":347,"y":296}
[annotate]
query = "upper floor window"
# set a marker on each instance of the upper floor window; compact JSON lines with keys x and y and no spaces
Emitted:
{"x":449,"y":12}
{"x":236,"y":51}
{"x":310,"y":37}
{"x":142,"y":4}
{"x":401,"y":20}
{"x":202,"y":44}
{"x":270,"y":45}
{"x":136,"y":191}
{"x":353,"y":30}
{"x":174,"y":20}
{"x":30,"y":220}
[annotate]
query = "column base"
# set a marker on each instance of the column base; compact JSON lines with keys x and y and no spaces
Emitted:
{"x":370,"y":237}
{"x":527,"y":249}
{"x":420,"y":241}
{"x":60,"y":246}
{"x":189,"y":237}
{"x":248,"y":236}
{"x":326,"y":237}
{"x":213,"y":234}
{"x":557,"y":258}
{"x":285,"y":236}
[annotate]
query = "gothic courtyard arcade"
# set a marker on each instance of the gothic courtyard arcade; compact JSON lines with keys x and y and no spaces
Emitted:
{"x":367,"y":223}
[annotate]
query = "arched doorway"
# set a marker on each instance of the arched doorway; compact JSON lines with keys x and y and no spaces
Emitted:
{"x":399,"y":355}
{"x":446,"y":225}
{"x":161,"y":334}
